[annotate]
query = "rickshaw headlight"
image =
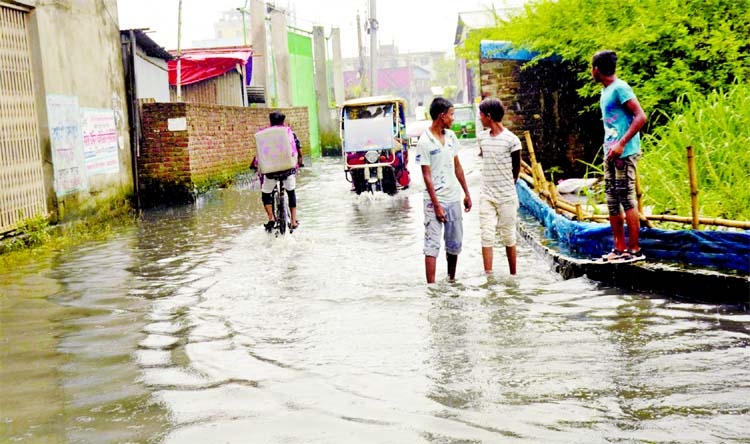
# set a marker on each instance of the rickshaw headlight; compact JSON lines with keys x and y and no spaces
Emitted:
{"x":372,"y":156}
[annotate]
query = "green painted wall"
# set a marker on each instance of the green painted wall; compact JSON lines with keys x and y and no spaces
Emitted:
{"x":302,"y":77}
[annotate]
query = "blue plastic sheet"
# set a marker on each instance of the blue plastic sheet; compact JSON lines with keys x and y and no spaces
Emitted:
{"x":726,"y":250}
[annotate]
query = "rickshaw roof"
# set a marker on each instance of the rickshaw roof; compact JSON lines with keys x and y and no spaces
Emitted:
{"x":374,"y":100}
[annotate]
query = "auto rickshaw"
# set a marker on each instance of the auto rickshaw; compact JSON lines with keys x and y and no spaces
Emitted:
{"x":374,"y":145}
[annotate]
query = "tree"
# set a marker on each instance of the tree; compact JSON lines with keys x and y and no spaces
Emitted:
{"x":666,"y":47}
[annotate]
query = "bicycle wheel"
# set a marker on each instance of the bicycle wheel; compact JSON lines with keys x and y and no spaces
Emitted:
{"x":281,"y":211}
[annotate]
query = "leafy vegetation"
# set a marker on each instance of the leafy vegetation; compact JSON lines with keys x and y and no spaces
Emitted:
{"x":666,"y":48}
{"x":37,"y":237}
{"x":689,"y":63}
{"x":717,"y":126}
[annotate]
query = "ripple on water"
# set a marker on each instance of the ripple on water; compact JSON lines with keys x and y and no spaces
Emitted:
{"x":197,"y":326}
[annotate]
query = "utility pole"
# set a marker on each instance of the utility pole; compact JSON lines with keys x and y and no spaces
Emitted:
{"x":179,"y":54}
{"x":361,"y":54}
{"x":373,"y":47}
{"x":243,"y":10}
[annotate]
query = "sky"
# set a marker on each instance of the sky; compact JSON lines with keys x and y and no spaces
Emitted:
{"x":413,"y":25}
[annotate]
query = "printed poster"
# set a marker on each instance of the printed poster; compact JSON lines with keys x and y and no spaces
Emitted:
{"x":66,"y":143}
{"x":99,"y":141}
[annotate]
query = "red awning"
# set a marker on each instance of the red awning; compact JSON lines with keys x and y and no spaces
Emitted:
{"x":202,"y":64}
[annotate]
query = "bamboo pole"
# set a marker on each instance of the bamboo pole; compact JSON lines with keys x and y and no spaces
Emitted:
{"x":530,"y":147}
{"x":693,"y":187}
{"x":577,"y":210}
{"x":538,"y":180}
{"x":639,"y":196}
{"x":745,"y":225}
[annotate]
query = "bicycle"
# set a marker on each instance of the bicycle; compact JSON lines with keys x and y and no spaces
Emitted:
{"x":280,"y":207}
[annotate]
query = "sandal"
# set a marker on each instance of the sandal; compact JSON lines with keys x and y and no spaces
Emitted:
{"x":295,"y":226}
{"x":632,"y":256}
{"x":269,"y":225}
{"x":614,"y":255}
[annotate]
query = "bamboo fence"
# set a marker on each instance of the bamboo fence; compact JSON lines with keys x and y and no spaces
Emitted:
{"x":534,"y":175}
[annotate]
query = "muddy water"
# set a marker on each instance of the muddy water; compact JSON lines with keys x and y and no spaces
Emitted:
{"x":196,"y":326}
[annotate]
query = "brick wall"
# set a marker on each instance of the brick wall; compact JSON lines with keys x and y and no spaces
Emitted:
{"x":216,"y":145}
{"x":543,"y":100}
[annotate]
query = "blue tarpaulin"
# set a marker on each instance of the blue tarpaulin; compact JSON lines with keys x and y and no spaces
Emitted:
{"x":502,"y":50}
{"x":727,"y":250}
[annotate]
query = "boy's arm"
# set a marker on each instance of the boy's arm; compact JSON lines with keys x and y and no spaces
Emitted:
{"x":462,"y":180}
{"x":427,"y":177}
{"x":639,"y":119}
{"x":300,"y":160}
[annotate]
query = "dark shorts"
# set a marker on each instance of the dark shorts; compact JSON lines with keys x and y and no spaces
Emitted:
{"x":619,"y":184}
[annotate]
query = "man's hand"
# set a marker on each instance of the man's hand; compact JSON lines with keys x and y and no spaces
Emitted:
{"x":615,"y":150}
{"x":467,"y":203}
{"x":440,"y":213}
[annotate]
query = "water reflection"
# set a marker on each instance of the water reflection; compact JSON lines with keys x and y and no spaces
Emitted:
{"x":196,"y":326}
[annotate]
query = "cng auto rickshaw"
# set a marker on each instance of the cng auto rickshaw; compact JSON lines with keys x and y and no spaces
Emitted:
{"x":374,"y":145}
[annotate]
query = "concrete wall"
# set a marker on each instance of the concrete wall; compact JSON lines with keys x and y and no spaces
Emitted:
{"x":191,"y":148}
{"x":76,"y":48}
{"x":152,"y":78}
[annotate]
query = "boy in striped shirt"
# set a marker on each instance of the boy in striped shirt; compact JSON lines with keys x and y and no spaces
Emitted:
{"x":498,"y":202}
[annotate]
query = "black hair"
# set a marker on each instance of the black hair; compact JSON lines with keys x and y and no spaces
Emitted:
{"x":492,"y":108}
{"x":438,"y":106}
{"x":605,"y":61}
{"x":276,"y":118}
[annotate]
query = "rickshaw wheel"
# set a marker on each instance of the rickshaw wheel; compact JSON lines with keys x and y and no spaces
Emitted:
{"x":358,"y":179}
{"x":389,"y":181}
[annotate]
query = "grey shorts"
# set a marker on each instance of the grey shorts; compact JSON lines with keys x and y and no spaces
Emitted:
{"x":619,"y":183}
{"x":452,"y":229}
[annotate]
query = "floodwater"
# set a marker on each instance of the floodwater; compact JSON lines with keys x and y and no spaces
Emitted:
{"x":196,"y":326}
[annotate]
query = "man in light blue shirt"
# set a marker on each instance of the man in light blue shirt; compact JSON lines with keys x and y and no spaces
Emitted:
{"x":437,"y":153}
{"x":623,"y":118}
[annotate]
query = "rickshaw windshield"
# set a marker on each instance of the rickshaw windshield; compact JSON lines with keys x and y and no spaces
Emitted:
{"x":369,"y":127}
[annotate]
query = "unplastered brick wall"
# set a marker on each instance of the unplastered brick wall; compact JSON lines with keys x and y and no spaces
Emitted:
{"x":502,"y":79}
{"x":190,"y":148}
{"x":541,"y":99}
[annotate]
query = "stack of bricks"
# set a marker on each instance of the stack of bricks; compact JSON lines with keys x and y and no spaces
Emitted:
{"x":208,"y":146}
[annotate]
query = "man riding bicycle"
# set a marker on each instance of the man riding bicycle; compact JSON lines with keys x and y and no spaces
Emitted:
{"x":289,"y":178}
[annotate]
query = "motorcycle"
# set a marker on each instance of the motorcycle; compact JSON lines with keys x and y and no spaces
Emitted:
{"x":374,"y":144}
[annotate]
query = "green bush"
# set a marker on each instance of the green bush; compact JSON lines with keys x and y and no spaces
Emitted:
{"x":666,"y":47}
{"x":330,"y":143}
{"x":717,"y":126}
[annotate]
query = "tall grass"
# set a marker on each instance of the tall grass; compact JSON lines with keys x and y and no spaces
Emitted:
{"x":717,"y":126}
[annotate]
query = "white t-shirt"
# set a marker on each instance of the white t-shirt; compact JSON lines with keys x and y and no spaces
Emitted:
{"x":440,"y":159}
{"x":497,"y":165}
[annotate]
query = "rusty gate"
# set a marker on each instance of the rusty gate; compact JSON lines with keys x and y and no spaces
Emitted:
{"x":22,"y":190}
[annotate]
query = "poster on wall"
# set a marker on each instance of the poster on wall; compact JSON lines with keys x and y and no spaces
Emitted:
{"x":66,"y":143}
{"x":99,"y":141}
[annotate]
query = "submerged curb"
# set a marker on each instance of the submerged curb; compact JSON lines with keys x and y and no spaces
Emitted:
{"x":694,"y":285}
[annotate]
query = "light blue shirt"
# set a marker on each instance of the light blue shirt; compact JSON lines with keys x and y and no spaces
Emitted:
{"x":617,"y":117}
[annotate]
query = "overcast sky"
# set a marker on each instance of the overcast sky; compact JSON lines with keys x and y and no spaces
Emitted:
{"x":414,"y":25}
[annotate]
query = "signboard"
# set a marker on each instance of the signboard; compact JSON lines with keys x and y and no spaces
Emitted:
{"x":99,"y":141}
{"x":66,"y":143}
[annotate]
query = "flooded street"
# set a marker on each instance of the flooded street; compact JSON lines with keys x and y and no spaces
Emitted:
{"x":195,"y":326}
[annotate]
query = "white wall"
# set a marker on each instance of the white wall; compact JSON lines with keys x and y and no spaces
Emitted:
{"x":151,"y":78}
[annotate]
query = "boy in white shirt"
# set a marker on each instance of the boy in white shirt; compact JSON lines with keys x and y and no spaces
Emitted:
{"x":437,"y":153}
